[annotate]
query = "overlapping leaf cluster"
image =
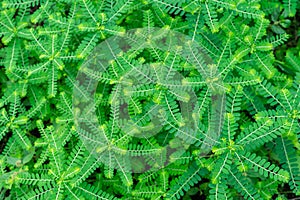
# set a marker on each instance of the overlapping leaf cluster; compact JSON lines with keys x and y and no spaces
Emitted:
{"x":43,"y":45}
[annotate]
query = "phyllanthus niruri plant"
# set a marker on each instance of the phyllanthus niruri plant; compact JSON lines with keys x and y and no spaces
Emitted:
{"x":149,"y":100}
{"x":97,"y":103}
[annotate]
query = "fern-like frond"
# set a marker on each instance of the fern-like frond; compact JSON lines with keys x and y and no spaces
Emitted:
{"x":184,"y":183}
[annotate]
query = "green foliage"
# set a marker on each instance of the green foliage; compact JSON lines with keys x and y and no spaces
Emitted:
{"x":251,"y":76}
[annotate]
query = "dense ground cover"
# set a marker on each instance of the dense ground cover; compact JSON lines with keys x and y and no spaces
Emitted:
{"x":158,"y":99}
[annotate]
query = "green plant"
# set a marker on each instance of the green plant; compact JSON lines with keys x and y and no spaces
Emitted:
{"x":49,"y":151}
